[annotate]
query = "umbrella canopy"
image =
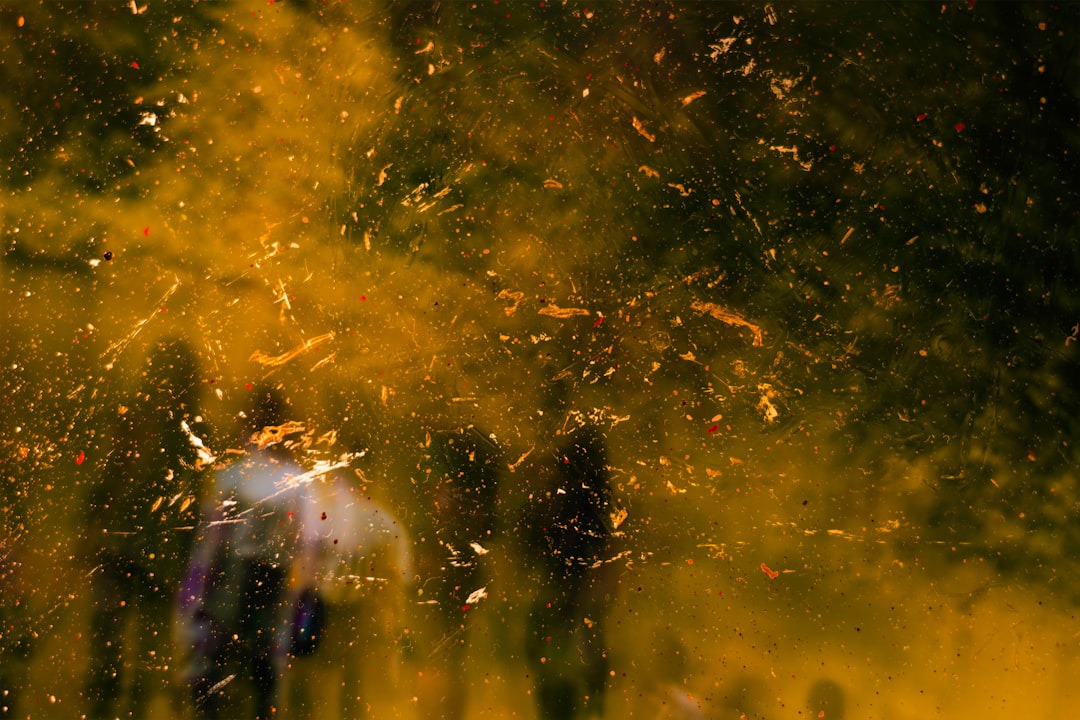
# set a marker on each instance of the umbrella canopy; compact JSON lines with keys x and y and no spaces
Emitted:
{"x":262,"y":499}
{"x":349,"y":540}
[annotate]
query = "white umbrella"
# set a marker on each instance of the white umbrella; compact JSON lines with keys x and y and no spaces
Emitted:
{"x":349,"y":540}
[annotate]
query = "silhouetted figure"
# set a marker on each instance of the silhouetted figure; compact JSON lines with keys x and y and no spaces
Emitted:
{"x":347,"y":588}
{"x":15,"y":634}
{"x":139,"y":532}
{"x":234,"y":612}
{"x":567,"y":531}
{"x":16,"y":583}
{"x":826,"y":699}
{"x":456,"y":492}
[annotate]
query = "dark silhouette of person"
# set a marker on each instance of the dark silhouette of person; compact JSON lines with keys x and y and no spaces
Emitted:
{"x":456,"y":490}
{"x":826,"y":698}
{"x":16,"y":582}
{"x":567,"y":534}
{"x":15,"y":634}
{"x":235,"y":619}
{"x":140,"y":521}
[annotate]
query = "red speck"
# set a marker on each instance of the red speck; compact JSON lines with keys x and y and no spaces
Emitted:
{"x":713,"y":429}
{"x":363,"y":298}
{"x":465,"y":607}
{"x":959,"y":127}
{"x":135,"y":65}
{"x":146,"y":231}
{"x":921,"y":116}
{"x":832,"y":148}
{"x":248,"y":385}
{"x":82,"y":457}
{"x":1031,"y":456}
{"x":599,"y":320}
{"x":771,"y":573}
